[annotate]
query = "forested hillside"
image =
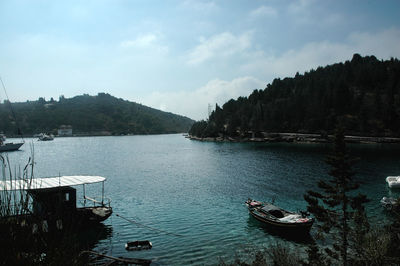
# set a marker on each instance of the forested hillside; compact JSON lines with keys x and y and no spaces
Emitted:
{"x":363,"y":94}
{"x":89,"y":114}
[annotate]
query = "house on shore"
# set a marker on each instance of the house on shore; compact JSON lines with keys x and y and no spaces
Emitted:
{"x":65,"y":131}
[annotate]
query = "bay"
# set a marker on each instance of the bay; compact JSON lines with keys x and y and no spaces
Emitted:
{"x":196,"y":190}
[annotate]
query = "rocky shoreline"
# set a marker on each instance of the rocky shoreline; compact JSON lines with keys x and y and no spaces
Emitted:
{"x":297,"y":138}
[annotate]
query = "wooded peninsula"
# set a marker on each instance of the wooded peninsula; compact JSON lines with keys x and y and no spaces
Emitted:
{"x":362,"y":94}
{"x":102,"y":114}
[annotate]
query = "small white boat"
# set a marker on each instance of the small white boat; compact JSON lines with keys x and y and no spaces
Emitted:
{"x":393,"y":181}
{"x":45,"y":137}
{"x":389,"y":203}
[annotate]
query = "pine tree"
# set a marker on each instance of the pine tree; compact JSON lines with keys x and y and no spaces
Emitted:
{"x":336,"y":208}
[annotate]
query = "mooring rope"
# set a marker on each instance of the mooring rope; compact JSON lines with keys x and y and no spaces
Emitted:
{"x":149,"y":227}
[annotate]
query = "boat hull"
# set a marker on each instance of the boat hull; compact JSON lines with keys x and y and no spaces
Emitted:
{"x":279,"y":219}
{"x":77,"y":220}
{"x":94,"y":214}
{"x":393,"y":181}
{"x":10,"y":147}
{"x":303,"y":227}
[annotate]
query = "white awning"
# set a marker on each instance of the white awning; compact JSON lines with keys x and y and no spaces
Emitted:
{"x":50,"y":182}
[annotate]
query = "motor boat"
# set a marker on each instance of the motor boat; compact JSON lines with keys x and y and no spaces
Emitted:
{"x":278,"y":217}
{"x":393,"y":181}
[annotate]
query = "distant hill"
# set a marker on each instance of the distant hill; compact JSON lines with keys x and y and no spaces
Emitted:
{"x":363,"y":94}
{"x":90,"y":115}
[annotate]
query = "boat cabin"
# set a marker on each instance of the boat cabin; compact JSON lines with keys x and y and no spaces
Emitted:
{"x":56,"y":201}
{"x":54,"y":198}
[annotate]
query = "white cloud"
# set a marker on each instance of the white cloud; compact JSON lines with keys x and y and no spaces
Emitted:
{"x":221,"y":45}
{"x":204,"y":6}
{"x":310,"y":13}
{"x":194,"y":104}
{"x":141,"y":41}
{"x":265,"y":67}
{"x":150,"y":41}
{"x":264,"y":11}
{"x":382,"y":44}
{"x":300,"y":6}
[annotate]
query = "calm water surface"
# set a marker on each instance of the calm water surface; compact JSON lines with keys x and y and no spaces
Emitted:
{"x":196,"y":190}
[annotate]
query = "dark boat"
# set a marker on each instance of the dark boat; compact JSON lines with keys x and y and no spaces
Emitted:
{"x":10,"y":146}
{"x":278,"y":218}
{"x":138,"y":245}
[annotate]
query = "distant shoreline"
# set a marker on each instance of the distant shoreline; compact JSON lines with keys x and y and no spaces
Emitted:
{"x":92,"y":135}
{"x":298,"y":138}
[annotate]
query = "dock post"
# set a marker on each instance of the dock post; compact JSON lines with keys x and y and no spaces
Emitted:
{"x":102,"y":194}
{"x":84,"y":196}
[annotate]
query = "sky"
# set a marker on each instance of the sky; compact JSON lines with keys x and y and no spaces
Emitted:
{"x":180,"y":56}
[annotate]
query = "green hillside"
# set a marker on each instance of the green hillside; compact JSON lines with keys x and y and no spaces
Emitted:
{"x":89,"y":114}
{"x":363,"y":94}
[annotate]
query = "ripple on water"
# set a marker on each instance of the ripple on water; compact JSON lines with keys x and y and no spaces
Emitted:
{"x":198,"y":189}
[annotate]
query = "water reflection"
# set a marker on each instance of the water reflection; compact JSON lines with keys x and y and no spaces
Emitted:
{"x":20,"y":247}
{"x":299,"y":238}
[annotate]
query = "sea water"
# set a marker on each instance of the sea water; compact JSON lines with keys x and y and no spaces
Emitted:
{"x":187,"y":197}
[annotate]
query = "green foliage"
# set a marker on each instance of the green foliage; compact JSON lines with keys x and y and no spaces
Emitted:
{"x":340,"y":213}
{"x":315,"y":256}
{"x":363,"y":94}
{"x":374,"y":249}
{"x":90,"y":114}
{"x":275,"y":254}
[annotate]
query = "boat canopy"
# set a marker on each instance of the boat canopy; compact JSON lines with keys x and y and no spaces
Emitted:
{"x":49,"y":182}
{"x":273,"y":210}
{"x":270,"y":207}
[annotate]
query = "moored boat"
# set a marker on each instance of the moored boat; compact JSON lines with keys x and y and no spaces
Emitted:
{"x":393,"y":181}
{"x":279,"y":218}
{"x":4,"y":147}
{"x":46,"y":137}
{"x":54,"y":201}
{"x":10,"y":146}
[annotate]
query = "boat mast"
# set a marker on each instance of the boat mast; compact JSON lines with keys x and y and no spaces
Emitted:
{"x":102,"y":193}
{"x":12,"y":110}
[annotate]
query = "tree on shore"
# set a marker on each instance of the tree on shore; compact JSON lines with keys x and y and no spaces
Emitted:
{"x":363,"y":92}
{"x":340,"y":213}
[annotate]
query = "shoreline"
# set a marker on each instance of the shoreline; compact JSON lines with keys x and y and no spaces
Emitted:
{"x":92,"y":135}
{"x":298,"y":138}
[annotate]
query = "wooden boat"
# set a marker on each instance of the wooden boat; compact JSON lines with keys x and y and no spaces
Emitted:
{"x":138,"y":245}
{"x":54,"y":201}
{"x":278,"y":218}
{"x":10,"y":146}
